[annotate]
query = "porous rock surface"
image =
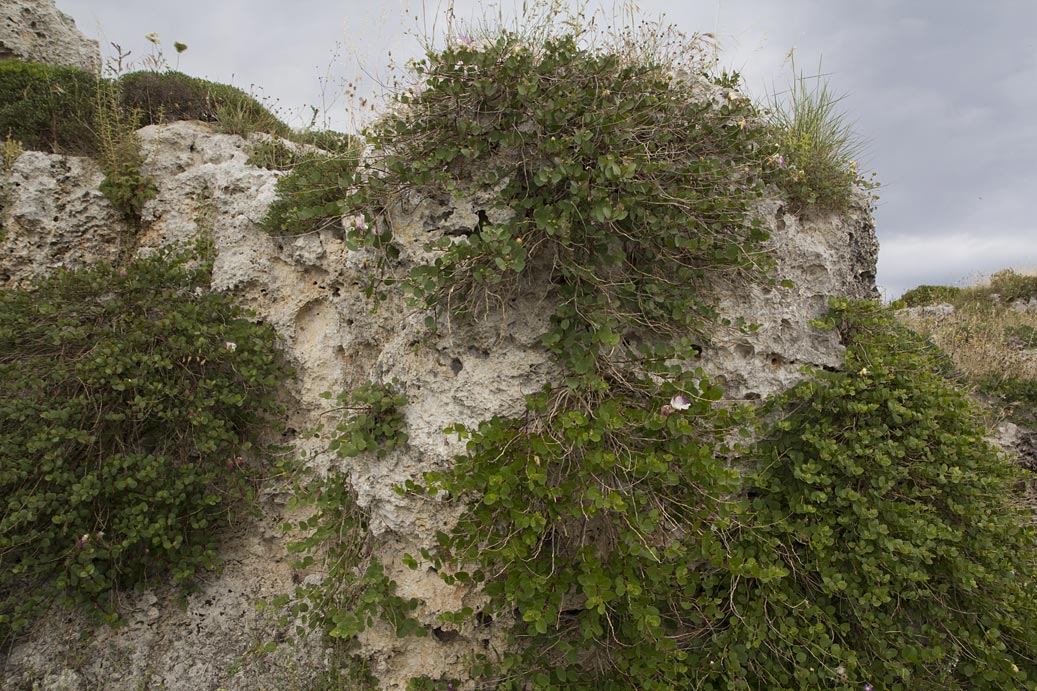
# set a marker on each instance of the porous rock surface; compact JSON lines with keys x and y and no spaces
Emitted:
{"x":36,"y":30}
{"x":308,"y":288}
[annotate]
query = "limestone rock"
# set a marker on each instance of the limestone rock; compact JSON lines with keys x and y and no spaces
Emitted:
{"x":927,"y":311}
{"x":53,"y":216}
{"x":36,"y":30}
{"x":309,"y":289}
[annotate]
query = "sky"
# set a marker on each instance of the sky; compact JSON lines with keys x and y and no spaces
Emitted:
{"x":943,"y":91}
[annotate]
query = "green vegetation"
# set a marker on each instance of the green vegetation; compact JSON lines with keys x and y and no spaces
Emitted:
{"x":817,"y":147}
{"x":990,"y":343}
{"x":169,"y":96}
{"x":609,"y":171}
{"x":873,"y":537}
{"x":47,"y":107}
{"x":1000,"y":288}
{"x":928,"y":295}
{"x":124,"y":185}
{"x":57,"y":109}
{"x":892,"y":550}
{"x":869,"y":538}
{"x":355,"y":589}
{"x":309,"y":198}
{"x":129,"y":399}
{"x":273,"y":154}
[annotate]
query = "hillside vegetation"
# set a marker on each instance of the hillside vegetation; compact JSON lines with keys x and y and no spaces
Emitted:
{"x":989,"y":332}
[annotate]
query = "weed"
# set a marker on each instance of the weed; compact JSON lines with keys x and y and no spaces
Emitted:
{"x":124,"y":185}
{"x":355,"y":590}
{"x":272,"y":154}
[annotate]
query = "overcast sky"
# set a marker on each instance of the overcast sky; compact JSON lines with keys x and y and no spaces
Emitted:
{"x":945,"y":91}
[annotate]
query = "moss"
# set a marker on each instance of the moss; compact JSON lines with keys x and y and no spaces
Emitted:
{"x":48,"y":107}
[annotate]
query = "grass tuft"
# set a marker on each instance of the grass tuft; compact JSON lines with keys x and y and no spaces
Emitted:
{"x":818,"y":145}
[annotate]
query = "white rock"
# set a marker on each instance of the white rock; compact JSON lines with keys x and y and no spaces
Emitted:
{"x":35,"y":30}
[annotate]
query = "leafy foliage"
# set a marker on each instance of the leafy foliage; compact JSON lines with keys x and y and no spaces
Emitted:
{"x":48,"y":107}
{"x":614,"y":175}
{"x":309,"y":198}
{"x":872,"y":539}
{"x":595,"y":527}
{"x":375,"y":422}
{"x":129,"y":399}
{"x":128,"y":191}
{"x":588,"y":517}
{"x":355,"y":589}
{"x":905,"y":562}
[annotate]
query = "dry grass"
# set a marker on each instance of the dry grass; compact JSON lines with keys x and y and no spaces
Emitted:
{"x":984,"y":341}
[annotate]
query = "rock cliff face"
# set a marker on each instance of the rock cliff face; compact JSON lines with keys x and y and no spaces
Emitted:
{"x":35,"y":30}
{"x":308,"y":288}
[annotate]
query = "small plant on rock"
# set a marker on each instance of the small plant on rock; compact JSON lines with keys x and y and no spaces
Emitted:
{"x":354,"y":590}
{"x":817,"y":148}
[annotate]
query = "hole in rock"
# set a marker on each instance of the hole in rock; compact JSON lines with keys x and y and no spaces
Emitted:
{"x":456,"y":366}
{"x":444,"y":635}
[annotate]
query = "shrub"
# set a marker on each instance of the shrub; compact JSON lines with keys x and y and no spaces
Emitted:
{"x":47,"y":107}
{"x":170,"y":96}
{"x":310,"y":197}
{"x":272,"y":154}
{"x":129,"y":398}
{"x":883,"y":545}
{"x":586,"y":517}
{"x":1010,"y":285}
{"x":606,"y":168}
{"x":928,"y":295}
{"x":816,"y":145}
{"x":329,"y":140}
{"x":128,"y":191}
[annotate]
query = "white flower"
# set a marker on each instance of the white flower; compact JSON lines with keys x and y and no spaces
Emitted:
{"x":863,"y":372}
{"x":153,"y":37}
{"x":231,"y":346}
{"x":680,"y":402}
